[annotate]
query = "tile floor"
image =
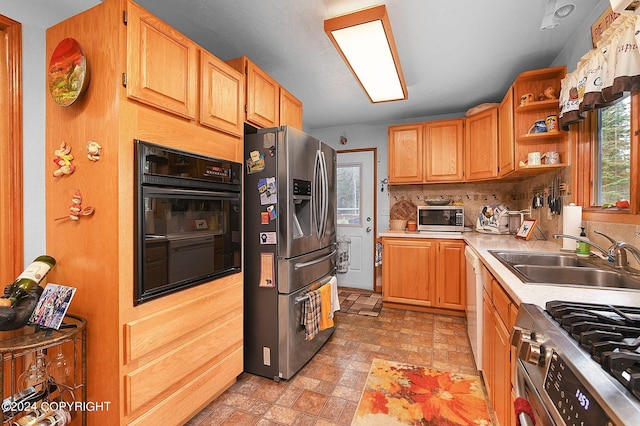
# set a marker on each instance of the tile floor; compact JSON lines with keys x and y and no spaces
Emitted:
{"x":327,"y":390}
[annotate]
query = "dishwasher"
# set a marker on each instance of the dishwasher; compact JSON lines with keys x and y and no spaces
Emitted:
{"x":474,"y":303}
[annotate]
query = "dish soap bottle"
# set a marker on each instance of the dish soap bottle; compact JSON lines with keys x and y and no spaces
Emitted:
{"x":583,"y":248}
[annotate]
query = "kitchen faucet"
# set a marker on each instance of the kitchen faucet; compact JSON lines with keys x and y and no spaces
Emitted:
{"x":584,"y":240}
{"x":616,"y":252}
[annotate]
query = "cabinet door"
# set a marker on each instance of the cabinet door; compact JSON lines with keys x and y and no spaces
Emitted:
{"x":290,"y":110}
{"x":451,"y":275}
{"x":488,"y":330}
{"x":162,"y":64}
{"x":443,"y":145}
{"x":506,"y":138}
{"x":501,"y":370}
{"x":222,"y":95}
{"x":405,"y":154}
{"x":481,"y":147}
{"x":263,"y":98}
{"x":408,"y":271}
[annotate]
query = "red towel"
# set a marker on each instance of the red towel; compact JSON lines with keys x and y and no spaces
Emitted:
{"x":521,"y":405}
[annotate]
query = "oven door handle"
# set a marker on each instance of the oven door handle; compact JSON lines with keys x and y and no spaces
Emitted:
{"x":314,"y":261}
{"x":523,"y":417}
{"x":155,"y":191}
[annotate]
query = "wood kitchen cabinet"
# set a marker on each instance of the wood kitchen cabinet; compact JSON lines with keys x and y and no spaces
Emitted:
{"x":450,"y":275}
{"x":162,"y":64}
{"x":481,"y":145}
{"x":535,"y":82}
{"x":408,"y":271}
{"x":267,"y":104}
{"x":423,"y":273}
{"x":497,"y":351}
{"x":506,"y":138}
{"x":162,"y":361}
{"x":444,"y":150}
{"x":222,"y":95}
{"x":290,"y":109}
{"x":426,"y":152}
{"x":405,"y":148}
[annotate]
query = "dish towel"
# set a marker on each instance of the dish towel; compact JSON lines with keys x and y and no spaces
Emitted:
{"x":326,"y":314}
{"x":335,"y":302}
{"x":311,"y":314}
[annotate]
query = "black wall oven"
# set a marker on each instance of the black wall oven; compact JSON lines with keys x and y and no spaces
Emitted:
{"x":188,"y":220}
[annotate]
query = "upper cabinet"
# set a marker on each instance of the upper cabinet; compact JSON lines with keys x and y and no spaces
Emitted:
{"x":163,"y":71}
{"x":290,"y":110}
{"x":222,"y":95}
{"x":405,"y":153}
{"x":426,"y":152}
{"x":481,"y":145}
{"x":536,"y":99}
{"x":267,"y":104}
{"x":506,"y":139}
{"x":443,"y":150}
{"x":162,"y":64}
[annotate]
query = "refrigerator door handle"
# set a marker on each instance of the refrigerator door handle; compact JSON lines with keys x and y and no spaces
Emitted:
{"x":325,"y":195}
{"x":316,"y":194}
{"x":314,"y":261}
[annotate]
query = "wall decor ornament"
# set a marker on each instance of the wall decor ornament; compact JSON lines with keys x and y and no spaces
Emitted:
{"x":68,"y":73}
{"x":62,"y":159}
{"x":94,"y":150}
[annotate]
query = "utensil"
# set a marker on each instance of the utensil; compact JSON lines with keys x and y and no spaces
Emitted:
{"x":87,"y":211}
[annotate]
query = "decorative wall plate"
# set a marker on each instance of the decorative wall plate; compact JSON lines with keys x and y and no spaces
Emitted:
{"x":68,"y":74}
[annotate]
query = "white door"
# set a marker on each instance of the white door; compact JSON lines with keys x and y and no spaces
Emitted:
{"x":356,"y":217}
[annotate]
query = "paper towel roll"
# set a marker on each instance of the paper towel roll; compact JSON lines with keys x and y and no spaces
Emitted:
{"x":571,"y":223}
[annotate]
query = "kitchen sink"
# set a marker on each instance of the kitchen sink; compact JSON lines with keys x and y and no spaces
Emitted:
{"x":566,"y":269}
{"x":542,"y":259}
{"x":571,"y":275}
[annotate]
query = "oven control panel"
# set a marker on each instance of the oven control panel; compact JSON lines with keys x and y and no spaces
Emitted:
{"x":571,"y":399}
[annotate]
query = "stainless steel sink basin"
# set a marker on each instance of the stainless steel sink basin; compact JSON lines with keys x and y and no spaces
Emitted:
{"x":543,"y":259}
{"x":566,"y":269}
{"x":571,"y":275}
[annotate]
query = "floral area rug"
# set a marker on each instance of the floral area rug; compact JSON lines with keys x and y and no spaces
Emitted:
{"x":403,"y":394}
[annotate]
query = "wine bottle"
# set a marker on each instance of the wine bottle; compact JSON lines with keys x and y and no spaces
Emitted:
{"x":28,"y":279}
{"x":48,"y":418}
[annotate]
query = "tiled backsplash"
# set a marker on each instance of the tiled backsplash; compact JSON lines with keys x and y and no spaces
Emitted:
{"x":516,"y":195}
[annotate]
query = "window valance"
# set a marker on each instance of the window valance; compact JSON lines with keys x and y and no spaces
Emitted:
{"x":604,"y":73}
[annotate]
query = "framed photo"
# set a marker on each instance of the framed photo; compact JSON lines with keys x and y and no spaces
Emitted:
{"x":526,"y":229}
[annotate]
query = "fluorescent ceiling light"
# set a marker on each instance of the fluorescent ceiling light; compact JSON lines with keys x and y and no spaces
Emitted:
{"x":365,"y":42}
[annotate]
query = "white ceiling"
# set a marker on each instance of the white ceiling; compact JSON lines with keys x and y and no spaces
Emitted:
{"x":455,"y":54}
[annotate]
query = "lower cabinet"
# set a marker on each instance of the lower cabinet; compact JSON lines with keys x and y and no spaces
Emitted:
{"x":497,"y":354}
{"x":424,"y":273}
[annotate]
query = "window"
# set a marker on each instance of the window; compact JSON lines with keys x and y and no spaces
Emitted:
{"x":612,"y":159}
{"x":606,"y":161}
{"x":349,"y":178}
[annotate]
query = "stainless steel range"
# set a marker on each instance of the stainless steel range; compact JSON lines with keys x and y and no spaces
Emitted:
{"x":577,"y":364}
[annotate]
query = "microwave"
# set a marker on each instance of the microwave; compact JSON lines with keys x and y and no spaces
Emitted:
{"x":440,"y":218}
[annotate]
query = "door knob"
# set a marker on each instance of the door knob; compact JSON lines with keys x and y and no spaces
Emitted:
{"x":368,"y":229}
{"x":368,"y":219}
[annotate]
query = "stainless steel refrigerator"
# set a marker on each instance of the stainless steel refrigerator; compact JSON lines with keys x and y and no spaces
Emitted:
{"x":289,"y":245}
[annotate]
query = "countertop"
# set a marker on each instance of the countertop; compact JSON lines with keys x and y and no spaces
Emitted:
{"x":520,"y":292}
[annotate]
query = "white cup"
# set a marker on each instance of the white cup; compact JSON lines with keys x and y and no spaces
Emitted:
{"x":533,"y":158}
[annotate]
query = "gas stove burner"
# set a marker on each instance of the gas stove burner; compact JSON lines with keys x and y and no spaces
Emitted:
{"x":610,"y":334}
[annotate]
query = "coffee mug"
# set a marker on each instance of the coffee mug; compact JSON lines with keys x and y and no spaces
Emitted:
{"x":526,"y":98}
{"x":551,"y":157}
{"x":533,"y":158}
{"x":540,"y":126}
{"x":552,"y":123}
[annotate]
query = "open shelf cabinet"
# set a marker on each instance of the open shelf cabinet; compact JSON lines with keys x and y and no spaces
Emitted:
{"x":535,"y":82}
